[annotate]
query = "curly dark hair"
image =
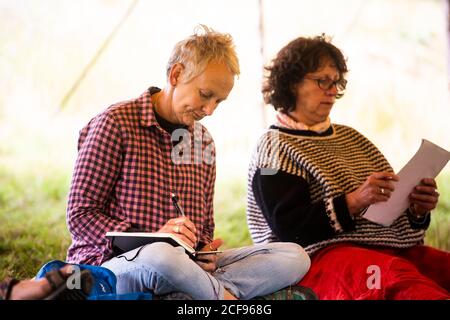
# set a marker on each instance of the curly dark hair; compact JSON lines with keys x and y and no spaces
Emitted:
{"x":292,"y":63}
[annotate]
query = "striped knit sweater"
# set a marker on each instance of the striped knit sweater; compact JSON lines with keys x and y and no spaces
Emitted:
{"x":297,"y":184}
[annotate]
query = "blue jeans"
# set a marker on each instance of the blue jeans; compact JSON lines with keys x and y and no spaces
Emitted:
{"x":245,"y":272}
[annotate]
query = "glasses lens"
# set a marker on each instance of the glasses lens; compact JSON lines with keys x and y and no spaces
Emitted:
{"x":325,"y":84}
{"x":341,"y":84}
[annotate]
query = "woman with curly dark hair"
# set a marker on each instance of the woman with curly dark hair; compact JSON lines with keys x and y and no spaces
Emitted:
{"x":311,"y":180}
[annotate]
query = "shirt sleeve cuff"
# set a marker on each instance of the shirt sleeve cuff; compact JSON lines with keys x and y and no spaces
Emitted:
{"x":122,"y":226}
{"x":343,"y":215}
{"x":332,"y":216}
{"x":419,"y":222}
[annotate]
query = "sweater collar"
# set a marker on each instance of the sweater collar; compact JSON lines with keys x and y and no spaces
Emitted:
{"x":285,"y":121}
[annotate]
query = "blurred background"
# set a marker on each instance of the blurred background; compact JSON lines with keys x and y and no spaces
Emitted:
{"x":62,"y":62}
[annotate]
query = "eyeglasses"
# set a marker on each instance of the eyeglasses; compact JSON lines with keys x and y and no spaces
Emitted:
{"x":327,"y":84}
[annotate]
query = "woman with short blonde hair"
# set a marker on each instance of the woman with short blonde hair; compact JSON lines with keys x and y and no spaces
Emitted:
{"x":199,"y":49}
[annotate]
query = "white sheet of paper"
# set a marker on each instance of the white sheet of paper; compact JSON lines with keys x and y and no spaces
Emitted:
{"x":428,"y":161}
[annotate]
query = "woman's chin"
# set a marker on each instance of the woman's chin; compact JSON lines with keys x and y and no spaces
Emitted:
{"x":189,"y":121}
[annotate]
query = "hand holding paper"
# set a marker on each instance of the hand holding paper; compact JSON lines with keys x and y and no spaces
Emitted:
{"x":424,"y":197}
{"x":429,"y":160}
{"x":377,"y":187}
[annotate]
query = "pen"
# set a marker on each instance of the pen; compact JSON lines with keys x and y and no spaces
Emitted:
{"x":176,"y":204}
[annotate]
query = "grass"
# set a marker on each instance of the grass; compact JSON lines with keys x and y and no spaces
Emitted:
{"x":33,"y":229}
{"x":439,"y":232}
{"x":32,"y":222}
{"x":230,"y":206}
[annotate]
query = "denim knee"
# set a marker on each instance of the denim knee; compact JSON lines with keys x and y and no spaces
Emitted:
{"x":160,"y":253}
{"x":294,"y":262}
{"x":164,"y":259}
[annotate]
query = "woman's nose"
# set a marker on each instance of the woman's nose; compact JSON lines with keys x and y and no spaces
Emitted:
{"x":332,"y":91}
{"x":209,"y":108}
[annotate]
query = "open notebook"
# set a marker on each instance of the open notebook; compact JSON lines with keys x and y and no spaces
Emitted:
{"x":126,"y":241}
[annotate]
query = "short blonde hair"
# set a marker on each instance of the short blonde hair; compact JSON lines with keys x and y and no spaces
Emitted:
{"x":201,"y":48}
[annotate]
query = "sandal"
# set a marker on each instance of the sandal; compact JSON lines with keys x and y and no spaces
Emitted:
{"x":62,"y":291}
{"x":6,"y":288}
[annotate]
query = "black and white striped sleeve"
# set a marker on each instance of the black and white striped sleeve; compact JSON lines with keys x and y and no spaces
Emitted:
{"x":285,"y":202}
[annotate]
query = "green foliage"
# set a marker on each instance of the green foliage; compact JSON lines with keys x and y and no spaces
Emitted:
{"x":439,"y":232}
{"x":230,"y":218}
{"x":32,"y":222}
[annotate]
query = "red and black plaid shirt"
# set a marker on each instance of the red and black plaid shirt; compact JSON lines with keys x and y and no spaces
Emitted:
{"x":124,"y":175}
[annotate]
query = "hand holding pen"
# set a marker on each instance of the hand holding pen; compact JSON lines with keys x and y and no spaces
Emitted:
{"x":181,"y":226}
{"x":208,"y":262}
{"x":176,"y":204}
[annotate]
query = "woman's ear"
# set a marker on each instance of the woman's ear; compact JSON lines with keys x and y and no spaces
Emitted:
{"x":175,"y":74}
{"x":293,"y":88}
